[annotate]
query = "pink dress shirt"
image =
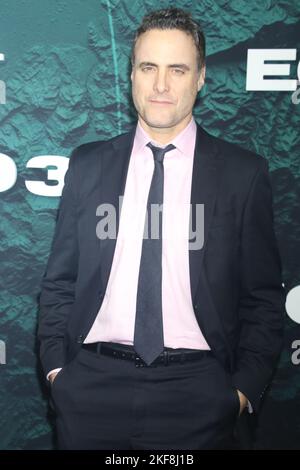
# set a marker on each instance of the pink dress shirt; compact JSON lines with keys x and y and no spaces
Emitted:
{"x":116,"y":317}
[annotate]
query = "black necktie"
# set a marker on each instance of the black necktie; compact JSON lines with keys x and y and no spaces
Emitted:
{"x":148,"y":333}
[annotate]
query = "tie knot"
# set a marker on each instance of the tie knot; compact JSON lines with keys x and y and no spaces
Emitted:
{"x":159,"y":152}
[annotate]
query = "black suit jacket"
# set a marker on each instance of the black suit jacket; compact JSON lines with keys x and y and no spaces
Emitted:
{"x":236,"y":284}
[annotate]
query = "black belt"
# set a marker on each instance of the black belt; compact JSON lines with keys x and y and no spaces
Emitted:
{"x":127,"y":352}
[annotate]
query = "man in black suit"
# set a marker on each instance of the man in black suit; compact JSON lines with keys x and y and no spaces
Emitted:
{"x":151,"y":340}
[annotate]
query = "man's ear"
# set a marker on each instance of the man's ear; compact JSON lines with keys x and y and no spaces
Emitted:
{"x":132,"y":71}
{"x":201,"y":79}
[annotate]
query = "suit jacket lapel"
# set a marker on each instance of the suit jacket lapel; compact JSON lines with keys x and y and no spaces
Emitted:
{"x":207,"y":174}
{"x":114,"y":168}
{"x":204,"y":191}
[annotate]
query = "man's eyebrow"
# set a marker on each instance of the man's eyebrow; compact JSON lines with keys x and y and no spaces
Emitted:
{"x":145,"y":64}
{"x":173,"y":66}
{"x":179,"y":66}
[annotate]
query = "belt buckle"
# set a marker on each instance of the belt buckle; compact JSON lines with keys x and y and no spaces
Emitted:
{"x":138,"y":361}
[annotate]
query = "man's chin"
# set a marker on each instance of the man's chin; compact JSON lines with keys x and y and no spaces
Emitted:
{"x":159,"y":123}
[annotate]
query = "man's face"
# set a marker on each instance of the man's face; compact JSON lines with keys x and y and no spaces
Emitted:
{"x":165,"y":78}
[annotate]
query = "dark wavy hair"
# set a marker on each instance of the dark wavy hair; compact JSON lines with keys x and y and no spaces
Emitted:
{"x":173,"y":18}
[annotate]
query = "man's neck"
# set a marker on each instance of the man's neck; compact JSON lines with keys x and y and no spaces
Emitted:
{"x":165,"y":134}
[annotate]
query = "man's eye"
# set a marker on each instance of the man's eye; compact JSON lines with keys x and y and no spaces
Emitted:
{"x":147,"y":69}
{"x":178,"y":71}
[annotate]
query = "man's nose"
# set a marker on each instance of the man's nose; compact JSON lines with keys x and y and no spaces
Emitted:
{"x":161,"y":81}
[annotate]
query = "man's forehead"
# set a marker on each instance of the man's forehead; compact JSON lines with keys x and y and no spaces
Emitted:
{"x":172,"y":45}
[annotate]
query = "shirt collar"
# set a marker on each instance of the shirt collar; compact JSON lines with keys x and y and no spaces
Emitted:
{"x":184,"y":141}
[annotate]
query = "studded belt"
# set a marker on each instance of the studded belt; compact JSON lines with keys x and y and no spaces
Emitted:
{"x":127,"y":352}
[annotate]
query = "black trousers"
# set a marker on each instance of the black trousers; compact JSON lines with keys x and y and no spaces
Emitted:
{"x":107,"y":403}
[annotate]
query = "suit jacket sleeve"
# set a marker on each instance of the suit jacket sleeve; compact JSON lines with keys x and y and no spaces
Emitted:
{"x":58,"y":284}
{"x":261,"y":307}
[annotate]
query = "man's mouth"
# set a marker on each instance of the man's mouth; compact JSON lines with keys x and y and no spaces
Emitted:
{"x":160,"y":102}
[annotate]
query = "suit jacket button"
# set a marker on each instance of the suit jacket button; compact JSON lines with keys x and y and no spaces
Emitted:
{"x":196,"y":307}
{"x":80,"y":339}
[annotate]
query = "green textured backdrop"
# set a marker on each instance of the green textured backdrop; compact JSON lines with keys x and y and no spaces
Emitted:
{"x":66,"y":71}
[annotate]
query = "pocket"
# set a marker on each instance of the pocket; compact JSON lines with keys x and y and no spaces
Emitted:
{"x":61,"y":374}
{"x":53,"y":396}
{"x":236,"y":401}
{"x":57,"y":378}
